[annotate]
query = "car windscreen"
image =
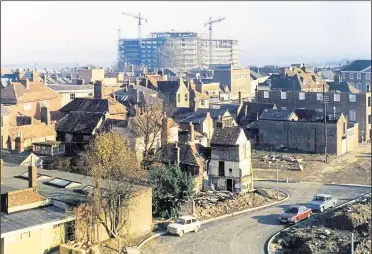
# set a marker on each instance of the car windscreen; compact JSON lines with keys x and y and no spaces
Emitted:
{"x":292,"y":210}
{"x":319,"y":198}
{"x":180,"y":221}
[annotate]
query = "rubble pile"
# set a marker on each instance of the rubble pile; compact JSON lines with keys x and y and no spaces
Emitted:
{"x":211,"y":204}
{"x":331,"y":232}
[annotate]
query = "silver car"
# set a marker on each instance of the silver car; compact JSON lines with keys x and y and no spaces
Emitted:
{"x":322,"y":202}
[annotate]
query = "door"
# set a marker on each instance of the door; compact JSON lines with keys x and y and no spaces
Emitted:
{"x":343,"y":146}
{"x":230,"y":185}
{"x":188,"y":226}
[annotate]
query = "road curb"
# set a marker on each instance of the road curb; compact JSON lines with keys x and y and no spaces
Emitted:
{"x":348,"y":184}
{"x":267,"y":244}
{"x":280,"y":181}
{"x":220,"y":217}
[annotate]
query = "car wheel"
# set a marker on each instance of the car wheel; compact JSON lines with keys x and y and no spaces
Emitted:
{"x":295,"y":221}
{"x":181,"y":233}
{"x":196,"y":229}
{"x":308,"y":216}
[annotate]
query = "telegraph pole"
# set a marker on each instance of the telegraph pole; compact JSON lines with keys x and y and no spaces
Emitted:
{"x":325,"y":101}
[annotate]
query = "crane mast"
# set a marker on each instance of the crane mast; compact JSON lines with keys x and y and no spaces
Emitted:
{"x":140,"y":18}
{"x":210,"y":37}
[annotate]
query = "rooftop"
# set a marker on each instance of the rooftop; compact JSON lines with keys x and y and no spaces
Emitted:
{"x":226,"y":136}
{"x":357,"y":65}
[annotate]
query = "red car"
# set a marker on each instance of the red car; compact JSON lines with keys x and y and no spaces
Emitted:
{"x":294,"y":214}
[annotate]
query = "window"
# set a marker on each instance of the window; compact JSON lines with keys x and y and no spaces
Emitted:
{"x":351,"y":75}
{"x":359,"y":87}
{"x":352,"y":98}
{"x":368,"y":76}
{"x":266,"y":94}
{"x":359,"y":75}
{"x":90,"y":94}
{"x":284,"y":108}
{"x":178,"y":98}
{"x":369,"y":119}
{"x":319,"y":97}
{"x":320,"y":110}
{"x":344,"y":75}
{"x":336,"y":97}
{"x":27,"y":106}
{"x":221,"y":168}
{"x":188,"y":222}
{"x":25,"y":235}
{"x":283,"y":95}
{"x":72,"y":96}
{"x":352,"y":115}
{"x":301,"y":96}
{"x":185,"y":96}
{"x":369,"y":101}
{"x":230,"y":170}
{"x":193,"y":220}
{"x":202,"y":102}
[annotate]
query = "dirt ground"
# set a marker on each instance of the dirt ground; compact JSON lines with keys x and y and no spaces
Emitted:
{"x":213,"y":204}
{"x":350,"y":168}
{"x":330,"y":232}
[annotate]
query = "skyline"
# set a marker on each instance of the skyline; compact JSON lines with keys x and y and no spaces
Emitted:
{"x":268,"y":32}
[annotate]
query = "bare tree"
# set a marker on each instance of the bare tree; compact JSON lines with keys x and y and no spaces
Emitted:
{"x":115,"y":172}
{"x":149,"y":128}
{"x":170,"y":54}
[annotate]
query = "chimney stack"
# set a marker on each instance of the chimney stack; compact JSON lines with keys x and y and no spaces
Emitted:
{"x":240,"y":97}
{"x":195,"y":105}
{"x":44,"y":78}
{"x":191,"y":132}
{"x":25,"y":82}
{"x":19,"y":143}
{"x":177,"y":155}
{"x":164,"y":131}
{"x":19,"y":74}
{"x":98,"y":90}
{"x":35,"y":77}
{"x":45,"y":115}
{"x":32,"y":174}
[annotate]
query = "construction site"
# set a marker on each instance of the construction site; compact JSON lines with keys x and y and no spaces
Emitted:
{"x":180,"y":50}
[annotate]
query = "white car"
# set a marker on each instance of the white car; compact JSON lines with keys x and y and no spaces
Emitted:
{"x":183,"y":225}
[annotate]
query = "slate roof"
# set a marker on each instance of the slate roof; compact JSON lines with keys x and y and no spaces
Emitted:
{"x":276,"y":114}
{"x":342,"y":87}
{"x":306,"y":114}
{"x":95,"y":105}
{"x":79,"y":122}
{"x":29,"y":218}
{"x":168,"y":86}
{"x":226,"y":136}
{"x":183,"y":113}
{"x":71,"y":87}
{"x":357,"y":65}
{"x":255,"y":75}
{"x":327,"y":74}
{"x":287,"y":83}
{"x":253,"y":108}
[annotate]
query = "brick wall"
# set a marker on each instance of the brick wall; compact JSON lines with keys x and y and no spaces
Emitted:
{"x":311,"y":101}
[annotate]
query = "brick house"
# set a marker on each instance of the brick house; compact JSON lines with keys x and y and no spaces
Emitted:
{"x":355,"y":107}
{"x":284,"y":127}
{"x":230,"y":166}
{"x":29,"y":96}
{"x":358,"y":73}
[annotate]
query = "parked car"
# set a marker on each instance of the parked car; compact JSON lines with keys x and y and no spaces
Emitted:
{"x":183,"y":225}
{"x":294,"y":214}
{"x":322,"y":202}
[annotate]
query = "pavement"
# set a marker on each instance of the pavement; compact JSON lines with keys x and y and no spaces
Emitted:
{"x":248,"y":233}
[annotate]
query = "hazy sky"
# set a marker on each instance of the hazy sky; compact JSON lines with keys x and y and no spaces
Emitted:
{"x":268,"y":32}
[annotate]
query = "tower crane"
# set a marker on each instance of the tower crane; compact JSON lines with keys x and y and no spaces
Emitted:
{"x":140,"y":18}
{"x":210,"y":35}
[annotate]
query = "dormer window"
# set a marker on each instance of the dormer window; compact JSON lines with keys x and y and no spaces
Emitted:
{"x":62,"y":183}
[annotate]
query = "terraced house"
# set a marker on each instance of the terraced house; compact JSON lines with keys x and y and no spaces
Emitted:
{"x":358,"y":73}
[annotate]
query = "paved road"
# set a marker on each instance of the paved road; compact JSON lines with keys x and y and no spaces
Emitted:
{"x":246,"y":233}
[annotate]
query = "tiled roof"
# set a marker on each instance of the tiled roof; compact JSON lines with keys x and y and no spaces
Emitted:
{"x":95,"y":105}
{"x":17,"y":92}
{"x":276,"y":114}
{"x":357,"y":65}
{"x":226,"y":136}
{"x":34,"y":130}
{"x":79,"y":122}
{"x":196,"y":94}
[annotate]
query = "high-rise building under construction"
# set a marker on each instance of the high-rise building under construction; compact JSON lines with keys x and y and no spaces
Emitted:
{"x":182,"y":50}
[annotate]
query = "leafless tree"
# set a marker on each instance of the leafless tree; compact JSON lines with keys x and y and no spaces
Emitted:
{"x":115,"y":173}
{"x":170,"y":54}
